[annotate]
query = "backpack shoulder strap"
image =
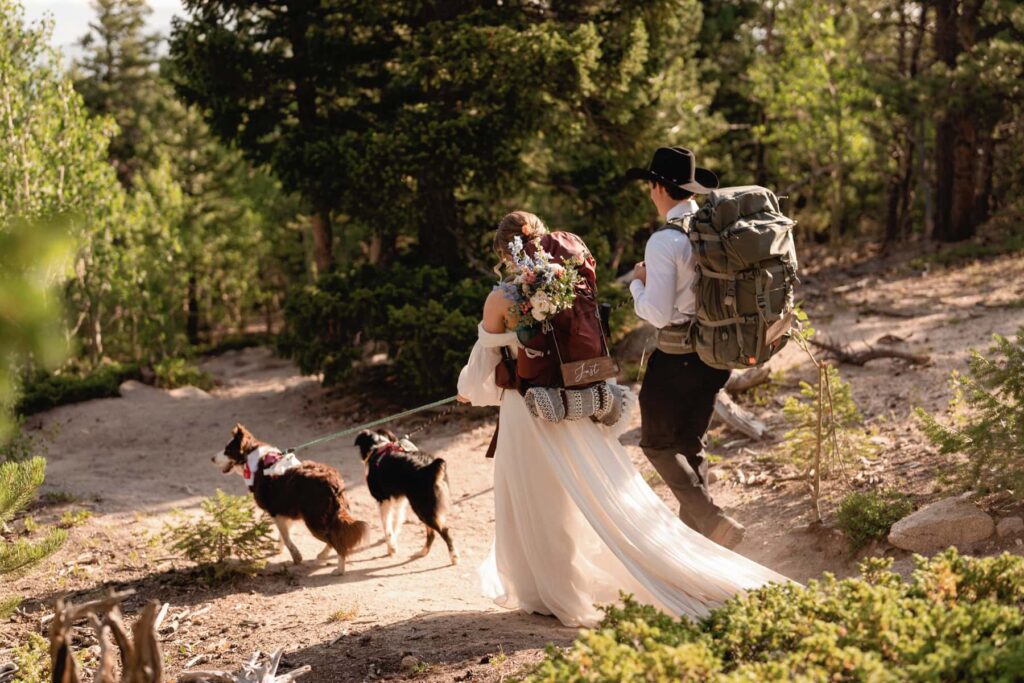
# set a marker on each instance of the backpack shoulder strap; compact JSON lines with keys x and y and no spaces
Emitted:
{"x":683,"y":224}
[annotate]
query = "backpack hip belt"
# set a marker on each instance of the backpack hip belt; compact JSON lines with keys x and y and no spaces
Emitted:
{"x":675,"y":339}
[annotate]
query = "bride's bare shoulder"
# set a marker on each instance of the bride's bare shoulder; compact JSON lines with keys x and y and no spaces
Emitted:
{"x":496,"y":309}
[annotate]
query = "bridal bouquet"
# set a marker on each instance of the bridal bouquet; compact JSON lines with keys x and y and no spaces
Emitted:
{"x":540,"y":288}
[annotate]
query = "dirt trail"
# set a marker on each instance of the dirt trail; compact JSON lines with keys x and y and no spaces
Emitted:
{"x":135,"y":459}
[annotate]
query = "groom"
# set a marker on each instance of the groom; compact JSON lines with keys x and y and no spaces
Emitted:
{"x":678,"y":393}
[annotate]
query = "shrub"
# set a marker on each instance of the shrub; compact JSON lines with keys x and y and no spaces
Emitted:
{"x":18,"y":484}
{"x":172,"y":373}
{"x":20,"y":445}
{"x":43,"y":390}
{"x":988,"y":420}
{"x":865,"y":517}
{"x":957,"y":618}
{"x":32,"y":658}
{"x":228,"y":538}
{"x":842,"y":439}
{"x":425,"y":318}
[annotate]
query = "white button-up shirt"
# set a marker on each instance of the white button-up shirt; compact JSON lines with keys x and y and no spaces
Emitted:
{"x":668,"y":297}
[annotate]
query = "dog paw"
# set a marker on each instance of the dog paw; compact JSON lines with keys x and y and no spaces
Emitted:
{"x":296,"y":559}
{"x":392,"y":550}
{"x":338,"y":572}
{"x":423,"y":552}
{"x":454,"y":559}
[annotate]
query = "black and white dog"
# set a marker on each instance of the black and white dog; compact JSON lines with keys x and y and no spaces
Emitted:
{"x":397,"y":473}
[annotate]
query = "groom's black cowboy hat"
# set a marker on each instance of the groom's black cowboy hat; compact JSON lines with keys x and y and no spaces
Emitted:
{"x":676,"y":167}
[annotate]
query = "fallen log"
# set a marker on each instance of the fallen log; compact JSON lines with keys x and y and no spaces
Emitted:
{"x":844,"y":354}
{"x":252,"y":672}
{"x":748,"y":379}
{"x":737,"y":418}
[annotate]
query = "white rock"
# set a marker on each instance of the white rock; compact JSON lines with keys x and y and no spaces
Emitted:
{"x":1009,"y":526}
{"x":133,"y":390}
{"x":189,"y":392}
{"x":952,"y":521}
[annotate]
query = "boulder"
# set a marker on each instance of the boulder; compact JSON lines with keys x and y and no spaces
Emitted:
{"x":134,"y":390}
{"x":189,"y":391}
{"x":636,"y":344}
{"x":952,"y":521}
{"x":1010,"y":526}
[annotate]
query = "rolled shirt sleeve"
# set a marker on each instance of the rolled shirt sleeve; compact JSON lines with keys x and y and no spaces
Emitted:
{"x":655,"y":301}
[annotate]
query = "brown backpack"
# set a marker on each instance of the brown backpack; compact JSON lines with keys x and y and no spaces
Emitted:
{"x":572,"y":341}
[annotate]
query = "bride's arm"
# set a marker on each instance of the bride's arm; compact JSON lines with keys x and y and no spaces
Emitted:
{"x":476,"y":381}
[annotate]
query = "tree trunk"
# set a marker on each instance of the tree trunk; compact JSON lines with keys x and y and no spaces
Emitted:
{"x":96,"y":334}
{"x":192,"y":324}
{"x":986,"y":167}
{"x":964,"y":177}
{"x":323,"y":252}
{"x":439,"y":220}
{"x":956,"y":23}
{"x":946,"y":49}
{"x":383,"y":248}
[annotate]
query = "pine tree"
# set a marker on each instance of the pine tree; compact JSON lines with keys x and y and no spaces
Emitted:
{"x":117,"y":77}
{"x":988,"y":420}
{"x":18,"y":484}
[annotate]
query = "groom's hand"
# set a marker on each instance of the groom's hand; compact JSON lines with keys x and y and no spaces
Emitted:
{"x":640,"y":272}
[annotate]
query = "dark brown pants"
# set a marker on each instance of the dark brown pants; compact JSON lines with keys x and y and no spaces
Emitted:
{"x":677,"y":400}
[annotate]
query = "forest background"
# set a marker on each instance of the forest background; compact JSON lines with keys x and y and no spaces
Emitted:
{"x":327,"y":174}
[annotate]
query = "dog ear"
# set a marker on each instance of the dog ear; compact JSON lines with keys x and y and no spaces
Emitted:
{"x":388,"y":434}
{"x":239,"y":429}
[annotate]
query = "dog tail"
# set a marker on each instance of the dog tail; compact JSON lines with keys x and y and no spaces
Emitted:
{"x":438,"y":473}
{"x":349,"y":533}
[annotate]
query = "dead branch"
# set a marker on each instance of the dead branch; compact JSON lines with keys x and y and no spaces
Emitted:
{"x":748,"y":379}
{"x":887,"y":312}
{"x":737,"y":418}
{"x":252,"y":672}
{"x":844,"y":354}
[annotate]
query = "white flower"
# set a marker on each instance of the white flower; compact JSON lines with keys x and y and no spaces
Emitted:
{"x":541,"y":305}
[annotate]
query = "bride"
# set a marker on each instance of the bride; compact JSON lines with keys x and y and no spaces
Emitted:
{"x":575,"y":522}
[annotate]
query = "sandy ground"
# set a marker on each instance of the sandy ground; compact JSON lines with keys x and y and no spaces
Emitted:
{"x":134,"y":460}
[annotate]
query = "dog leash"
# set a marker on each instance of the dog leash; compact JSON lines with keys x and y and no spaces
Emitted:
{"x":383,"y":420}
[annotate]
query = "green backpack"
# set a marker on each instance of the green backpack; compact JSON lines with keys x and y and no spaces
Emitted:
{"x":746,"y":270}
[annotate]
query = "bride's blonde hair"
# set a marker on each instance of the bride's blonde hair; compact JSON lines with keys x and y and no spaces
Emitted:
{"x":516,"y":224}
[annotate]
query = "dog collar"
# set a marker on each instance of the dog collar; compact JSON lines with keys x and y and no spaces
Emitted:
{"x":262,"y":457}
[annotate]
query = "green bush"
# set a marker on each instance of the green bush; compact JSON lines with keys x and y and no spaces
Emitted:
{"x":987,"y":420}
{"x":172,"y":373}
{"x":18,"y":484}
{"x":843,"y":439}
{"x":32,"y":658}
{"x":20,"y":445}
{"x":426,"y":320}
{"x":230,"y":537}
{"x":865,"y":517}
{"x":956,"y":619}
{"x":44,"y":390}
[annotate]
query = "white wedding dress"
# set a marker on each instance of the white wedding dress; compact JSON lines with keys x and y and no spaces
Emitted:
{"x":575,"y":522}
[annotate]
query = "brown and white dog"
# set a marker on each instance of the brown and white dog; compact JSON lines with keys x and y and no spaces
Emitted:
{"x":289,"y":490}
{"x":397,"y":474}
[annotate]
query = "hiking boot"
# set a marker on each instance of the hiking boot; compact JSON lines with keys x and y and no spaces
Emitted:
{"x":725,"y":531}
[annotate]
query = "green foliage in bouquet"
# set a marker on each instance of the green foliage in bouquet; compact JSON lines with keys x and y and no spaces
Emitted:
{"x":988,"y":419}
{"x":866,"y":517}
{"x":327,"y":324}
{"x":956,"y":619}
{"x":230,"y":537}
{"x":18,"y":484}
